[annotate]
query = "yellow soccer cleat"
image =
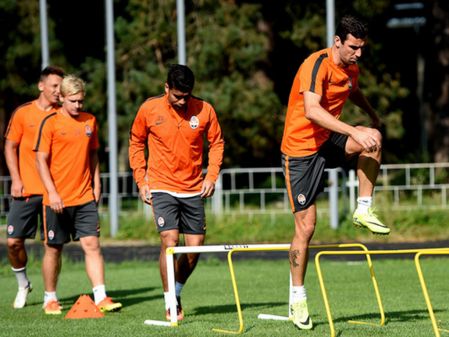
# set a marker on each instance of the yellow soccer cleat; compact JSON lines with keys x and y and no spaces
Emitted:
{"x":369,"y":220}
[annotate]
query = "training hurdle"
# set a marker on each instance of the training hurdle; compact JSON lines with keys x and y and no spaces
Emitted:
{"x":371,"y":252}
{"x":171,"y":251}
{"x":230,"y":249}
{"x":436,"y":330}
{"x":265,"y":316}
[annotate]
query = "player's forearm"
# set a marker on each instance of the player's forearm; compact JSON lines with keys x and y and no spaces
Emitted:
{"x":95,"y":169}
{"x":44,"y":173}
{"x":321,"y":117}
{"x":137,"y":162}
{"x":12,"y":161}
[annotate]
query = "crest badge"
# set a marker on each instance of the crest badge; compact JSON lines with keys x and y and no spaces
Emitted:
{"x":88,"y":130}
{"x":301,"y":199}
{"x":194,"y":122}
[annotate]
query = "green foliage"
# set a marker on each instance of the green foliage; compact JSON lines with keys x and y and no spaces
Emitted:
{"x":244,"y":55}
{"x":226,"y":46}
{"x":21,"y":61}
{"x":411,"y":225}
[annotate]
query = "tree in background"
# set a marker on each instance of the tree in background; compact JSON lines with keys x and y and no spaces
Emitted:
{"x":227,"y":44}
{"x":245,"y":54}
{"x":307,"y":31}
{"x":21,"y":59}
{"x":439,"y":82}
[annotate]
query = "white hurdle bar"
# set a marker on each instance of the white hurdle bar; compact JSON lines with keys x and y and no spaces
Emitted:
{"x":199,"y":249}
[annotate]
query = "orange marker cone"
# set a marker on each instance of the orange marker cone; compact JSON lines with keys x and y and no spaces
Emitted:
{"x":84,"y":307}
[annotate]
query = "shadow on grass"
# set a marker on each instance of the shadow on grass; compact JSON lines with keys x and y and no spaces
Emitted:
{"x":392,"y":316}
{"x":119,"y":296}
{"x":228,"y":308}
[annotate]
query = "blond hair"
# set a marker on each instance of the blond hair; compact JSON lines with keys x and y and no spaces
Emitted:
{"x":72,"y":85}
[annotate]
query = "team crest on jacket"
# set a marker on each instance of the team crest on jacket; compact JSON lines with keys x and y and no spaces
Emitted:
{"x":301,"y":199}
{"x":194,"y":122}
{"x":88,"y":130}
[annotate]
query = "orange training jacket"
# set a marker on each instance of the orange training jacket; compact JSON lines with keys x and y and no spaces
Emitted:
{"x":175,"y":145}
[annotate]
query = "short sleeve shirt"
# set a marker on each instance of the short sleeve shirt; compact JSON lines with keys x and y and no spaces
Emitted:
{"x":320,"y":75}
{"x":22,"y":128}
{"x":69,"y":142}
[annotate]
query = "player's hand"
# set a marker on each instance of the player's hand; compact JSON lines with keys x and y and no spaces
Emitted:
{"x":207,"y":189}
{"x":17,"y":189}
{"x":56,"y":203}
{"x":145,"y":195}
{"x":366,"y":140}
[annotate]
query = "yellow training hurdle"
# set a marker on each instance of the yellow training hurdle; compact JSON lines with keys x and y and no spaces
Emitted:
{"x":231,"y":249}
{"x":254,"y":249}
{"x":417,"y":252}
{"x":436,"y":330}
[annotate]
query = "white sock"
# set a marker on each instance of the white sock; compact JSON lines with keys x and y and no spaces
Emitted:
{"x":21,"y":276}
{"x":167,"y":300}
{"x":49,"y":296}
{"x":364,"y":203}
{"x":178,"y":288}
{"x":99,"y":293}
{"x":298,"y":293}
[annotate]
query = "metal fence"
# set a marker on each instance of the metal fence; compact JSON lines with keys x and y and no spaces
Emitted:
{"x":254,"y":191}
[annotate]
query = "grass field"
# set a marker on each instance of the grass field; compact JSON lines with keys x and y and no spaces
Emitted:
{"x":209,"y":302}
{"x":410,"y":225}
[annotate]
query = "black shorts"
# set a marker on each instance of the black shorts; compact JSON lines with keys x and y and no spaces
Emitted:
{"x":184,"y":214}
{"x":73,"y":223}
{"x":304,"y":176}
{"x":24,"y":216}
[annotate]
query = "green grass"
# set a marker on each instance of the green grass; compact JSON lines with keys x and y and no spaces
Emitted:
{"x":209,"y":303}
{"x":409,"y":225}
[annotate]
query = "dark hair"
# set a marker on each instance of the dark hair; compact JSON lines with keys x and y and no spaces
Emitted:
{"x":351,"y":25}
{"x":180,"y":77}
{"x":51,"y":70}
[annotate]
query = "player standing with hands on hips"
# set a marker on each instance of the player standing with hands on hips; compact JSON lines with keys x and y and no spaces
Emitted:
{"x":172,"y":127}
{"x":314,"y":139}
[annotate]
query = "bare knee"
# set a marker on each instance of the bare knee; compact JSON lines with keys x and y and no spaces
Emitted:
{"x":169,"y":239}
{"x":305,"y":231}
{"x":15,"y":244}
{"x":90,"y":245}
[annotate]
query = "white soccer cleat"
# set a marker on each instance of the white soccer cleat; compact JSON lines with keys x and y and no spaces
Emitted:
{"x":300,"y":315}
{"x":21,"y":297}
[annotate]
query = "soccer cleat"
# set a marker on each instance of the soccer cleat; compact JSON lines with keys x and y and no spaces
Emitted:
{"x":52,"y":308}
{"x":21,"y":298}
{"x":108,"y":305}
{"x":369,"y":220}
{"x":179,"y":311}
{"x":300,"y":315}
